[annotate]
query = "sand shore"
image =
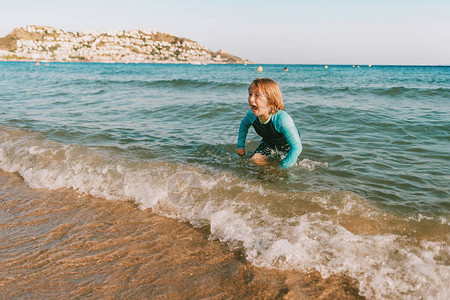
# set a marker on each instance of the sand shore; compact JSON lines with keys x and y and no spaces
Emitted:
{"x":58,"y":244}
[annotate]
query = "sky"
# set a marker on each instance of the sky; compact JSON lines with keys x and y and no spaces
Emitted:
{"x":377,"y":32}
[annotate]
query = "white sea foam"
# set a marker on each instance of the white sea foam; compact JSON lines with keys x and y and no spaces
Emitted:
{"x":386,"y":266}
{"x":311,"y":165}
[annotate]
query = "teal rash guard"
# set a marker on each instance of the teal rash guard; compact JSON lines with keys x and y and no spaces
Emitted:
{"x":278,"y":131}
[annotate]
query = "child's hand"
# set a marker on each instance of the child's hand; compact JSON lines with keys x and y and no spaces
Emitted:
{"x":240,"y":152}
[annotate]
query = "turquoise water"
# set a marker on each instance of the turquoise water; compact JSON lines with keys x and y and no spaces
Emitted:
{"x":375,"y":157}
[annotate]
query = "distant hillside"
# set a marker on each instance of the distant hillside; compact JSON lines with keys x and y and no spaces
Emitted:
{"x":50,"y":44}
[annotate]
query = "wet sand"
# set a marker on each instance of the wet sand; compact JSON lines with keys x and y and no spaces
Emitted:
{"x":58,"y":244}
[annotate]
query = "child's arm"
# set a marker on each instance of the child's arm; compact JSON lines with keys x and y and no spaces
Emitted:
{"x":246,"y":122}
{"x":287,"y":127}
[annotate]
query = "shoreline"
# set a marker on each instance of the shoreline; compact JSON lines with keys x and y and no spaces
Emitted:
{"x":137,"y":132}
{"x":89,"y":247}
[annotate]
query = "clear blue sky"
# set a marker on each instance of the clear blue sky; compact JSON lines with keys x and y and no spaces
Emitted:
{"x":284,"y":31}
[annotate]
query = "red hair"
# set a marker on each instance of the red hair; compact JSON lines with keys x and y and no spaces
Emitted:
{"x":271,"y":90}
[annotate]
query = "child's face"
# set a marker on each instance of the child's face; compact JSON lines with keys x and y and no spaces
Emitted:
{"x":258,"y":102}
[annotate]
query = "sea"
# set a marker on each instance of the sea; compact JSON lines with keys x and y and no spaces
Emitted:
{"x":122,"y":181}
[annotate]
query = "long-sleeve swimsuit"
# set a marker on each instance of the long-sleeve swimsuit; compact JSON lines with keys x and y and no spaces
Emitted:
{"x":279,"y":133}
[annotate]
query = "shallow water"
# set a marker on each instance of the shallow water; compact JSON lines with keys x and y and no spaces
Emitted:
{"x":368,"y":198}
{"x":57,"y":244}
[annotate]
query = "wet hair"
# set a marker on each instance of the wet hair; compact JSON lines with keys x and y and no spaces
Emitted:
{"x":271,"y":90}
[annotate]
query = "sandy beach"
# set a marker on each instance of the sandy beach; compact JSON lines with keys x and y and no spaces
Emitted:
{"x":58,"y":244}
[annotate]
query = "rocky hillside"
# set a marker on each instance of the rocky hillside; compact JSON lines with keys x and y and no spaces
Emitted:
{"x":143,"y":46}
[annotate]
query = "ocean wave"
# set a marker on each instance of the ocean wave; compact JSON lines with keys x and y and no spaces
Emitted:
{"x":411,"y":92}
{"x":332,"y":232}
{"x":394,"y":91}
{"x":167,"y":83}
{"x":188,"y":83}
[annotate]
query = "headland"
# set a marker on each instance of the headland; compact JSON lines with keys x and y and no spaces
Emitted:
{"x":40,"y":43}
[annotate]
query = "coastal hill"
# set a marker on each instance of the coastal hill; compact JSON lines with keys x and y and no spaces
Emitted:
{"x":39,"y":43}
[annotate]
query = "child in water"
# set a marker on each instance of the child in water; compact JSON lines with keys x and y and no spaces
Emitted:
{"x":280,"y":137}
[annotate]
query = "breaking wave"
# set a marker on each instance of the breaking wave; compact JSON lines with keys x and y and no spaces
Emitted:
{"x":330,"y":231}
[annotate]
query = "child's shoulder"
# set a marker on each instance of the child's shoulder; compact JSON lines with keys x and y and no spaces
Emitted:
{"x":282,"y":118}
{"x":249,"y":112}
{"x":249,"y":116}
{"x":282,"y":115}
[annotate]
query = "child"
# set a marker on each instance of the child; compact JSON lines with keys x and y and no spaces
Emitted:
{"x":272,"y":123}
